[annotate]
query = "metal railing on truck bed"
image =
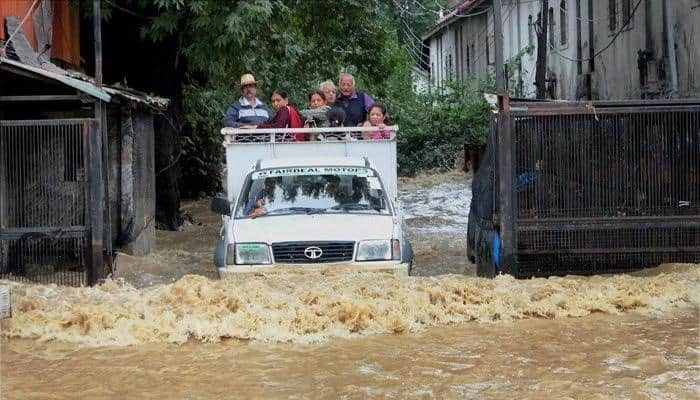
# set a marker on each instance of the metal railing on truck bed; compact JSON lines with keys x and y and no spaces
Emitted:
{"x":598,"y":186}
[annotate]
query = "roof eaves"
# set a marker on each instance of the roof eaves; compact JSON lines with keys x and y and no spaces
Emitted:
{"x":83,"y":86}
{"x":138,"y":97}
{"x":448,"y":18}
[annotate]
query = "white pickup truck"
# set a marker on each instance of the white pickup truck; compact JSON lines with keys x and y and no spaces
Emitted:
{"x":329,"y":202}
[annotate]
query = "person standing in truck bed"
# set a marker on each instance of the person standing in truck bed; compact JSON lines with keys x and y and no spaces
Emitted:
{"x":356,"y":104}
{"x":248,"y":110}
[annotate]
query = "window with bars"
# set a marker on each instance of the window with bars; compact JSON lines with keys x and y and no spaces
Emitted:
{"x":488,"y":56}
{"x":626,"y":12}
{"x":562,"y":23}
{"x":612,"y":11}
{"x":469,"y":60}
{"x":552,"y":38}
{"x":449,"y":67}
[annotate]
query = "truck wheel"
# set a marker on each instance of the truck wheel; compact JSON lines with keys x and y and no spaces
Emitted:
{"x":471,"y":243}
{"x":485,"y":268}
{"x":220,"y":255}
{"x":488,"y":254}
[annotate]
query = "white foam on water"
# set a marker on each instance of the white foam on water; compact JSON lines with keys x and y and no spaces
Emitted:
{"x":443,"y":208}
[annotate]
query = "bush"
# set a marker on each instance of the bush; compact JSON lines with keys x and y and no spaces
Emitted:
{"x":435,"y":127}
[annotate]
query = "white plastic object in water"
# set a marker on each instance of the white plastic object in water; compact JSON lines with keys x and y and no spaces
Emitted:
{"x":5,"y":303}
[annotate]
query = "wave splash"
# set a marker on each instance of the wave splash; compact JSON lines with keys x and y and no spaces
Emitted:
{"x":294,"y":306}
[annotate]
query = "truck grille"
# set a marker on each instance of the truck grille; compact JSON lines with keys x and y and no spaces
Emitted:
{"x":296,"y":252}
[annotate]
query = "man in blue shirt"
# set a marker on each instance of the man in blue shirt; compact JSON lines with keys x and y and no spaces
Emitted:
{"x":356,"y":104}
{"x":248,"y":110}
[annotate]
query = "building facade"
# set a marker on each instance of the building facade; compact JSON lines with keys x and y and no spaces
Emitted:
{"x":596,"y":49}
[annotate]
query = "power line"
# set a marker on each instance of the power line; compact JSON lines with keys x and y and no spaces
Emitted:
{"x":599,"y":52}
{"x":604,"y":19}
{"x":510,"y":11}
{"x":413,"y":34}
{"x":448,"y":13}
{"x":9,"y":39}
{"x":127,"y":11}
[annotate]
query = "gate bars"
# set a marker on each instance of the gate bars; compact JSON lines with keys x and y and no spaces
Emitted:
{"x":587,"y":187}
{"x":48,"y":172}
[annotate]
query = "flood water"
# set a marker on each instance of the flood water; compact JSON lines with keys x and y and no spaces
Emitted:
{"x":166,"y":329}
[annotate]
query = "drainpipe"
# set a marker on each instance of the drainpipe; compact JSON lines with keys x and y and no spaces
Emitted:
{"x":671,"y":46}
{"x":648,"y":27}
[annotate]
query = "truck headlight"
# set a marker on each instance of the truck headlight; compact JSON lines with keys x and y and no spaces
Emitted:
{"x":252,"y":253}
{"x":374,"y":250}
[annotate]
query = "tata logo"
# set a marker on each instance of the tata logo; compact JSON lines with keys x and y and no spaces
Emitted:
{"x":313,"y":252}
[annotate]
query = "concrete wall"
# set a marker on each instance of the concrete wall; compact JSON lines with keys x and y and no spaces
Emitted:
{"x":421,"y":81}
{"x":459,"y":51}
{"x":614,"y":73}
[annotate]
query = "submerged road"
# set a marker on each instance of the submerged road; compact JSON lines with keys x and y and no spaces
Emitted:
{"x":167,"y":330}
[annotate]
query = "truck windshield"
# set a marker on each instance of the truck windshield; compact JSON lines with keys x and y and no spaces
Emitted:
{"x":312,"y":190}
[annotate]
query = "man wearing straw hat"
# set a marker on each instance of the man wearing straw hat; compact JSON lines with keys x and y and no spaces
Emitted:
{"x":248,"y":110}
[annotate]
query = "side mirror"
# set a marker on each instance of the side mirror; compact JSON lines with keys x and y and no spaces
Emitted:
{"x":376,"y":199}
{"x":221,"y":205}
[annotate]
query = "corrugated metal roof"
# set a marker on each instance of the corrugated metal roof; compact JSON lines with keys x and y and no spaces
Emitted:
{"x":83,"y":86}
{"x":138,"y":97}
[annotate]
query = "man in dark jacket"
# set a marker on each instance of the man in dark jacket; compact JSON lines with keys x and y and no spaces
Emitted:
{"x":356,"y":104}
{"x":248,"y":110}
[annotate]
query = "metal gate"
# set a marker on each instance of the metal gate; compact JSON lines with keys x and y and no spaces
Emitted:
{"x":44,"y":201}
{"x":603,"y":186}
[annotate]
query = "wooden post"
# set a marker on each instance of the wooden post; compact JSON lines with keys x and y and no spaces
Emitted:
{"x":505,"y":166}
{"x":506,"y":186}
{"x":97,"y":29}
{"x":101,"y":117}
{"x":96,"y":203}
{"x":4,"y":246}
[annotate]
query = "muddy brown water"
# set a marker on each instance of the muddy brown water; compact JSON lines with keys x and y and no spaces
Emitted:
{"x":167,"y":329}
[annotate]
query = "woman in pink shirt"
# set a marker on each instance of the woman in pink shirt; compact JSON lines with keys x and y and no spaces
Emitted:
{"x":378,"y":117}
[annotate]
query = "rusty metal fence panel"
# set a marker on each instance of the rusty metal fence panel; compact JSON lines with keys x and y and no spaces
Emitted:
{"x":43,"y":184}
{"x":606,"y":188}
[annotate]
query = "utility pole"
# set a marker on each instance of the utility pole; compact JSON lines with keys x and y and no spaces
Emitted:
{"x":505,"y":166}
{"x":498,"y":48}
{"x":95,"y":145}
{"x":541,"y":67}
{"x":671,"y":48}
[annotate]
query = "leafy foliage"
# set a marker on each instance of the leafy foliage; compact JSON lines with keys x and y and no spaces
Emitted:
{"x":295,"y":45}
{"x":436,"y":126}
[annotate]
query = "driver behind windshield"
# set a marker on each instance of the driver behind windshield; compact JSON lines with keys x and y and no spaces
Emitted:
{"x":256,"y":205}
{"x":300,"y":193}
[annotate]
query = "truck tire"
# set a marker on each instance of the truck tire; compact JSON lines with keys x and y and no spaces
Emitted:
{"x":486,"y":263}
{"x":471,"y":242}
{"x":220,"y":255}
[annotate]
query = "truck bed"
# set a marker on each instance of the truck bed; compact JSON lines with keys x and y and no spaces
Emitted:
{"x":244,"y":147}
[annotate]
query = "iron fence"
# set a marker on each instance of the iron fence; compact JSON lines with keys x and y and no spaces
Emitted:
{"x":608,"y":164}
{"x":43,"y":195}
{"x":601,"y":187}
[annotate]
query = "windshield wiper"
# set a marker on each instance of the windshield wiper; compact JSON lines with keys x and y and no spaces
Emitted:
{"x":353,"y":207}
{"x":292,"y":210}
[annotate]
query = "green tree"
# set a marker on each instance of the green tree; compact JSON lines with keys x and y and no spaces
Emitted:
{"x":295,"y":45}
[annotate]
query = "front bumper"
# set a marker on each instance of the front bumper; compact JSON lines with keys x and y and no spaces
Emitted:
{"x":394,"y":267}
